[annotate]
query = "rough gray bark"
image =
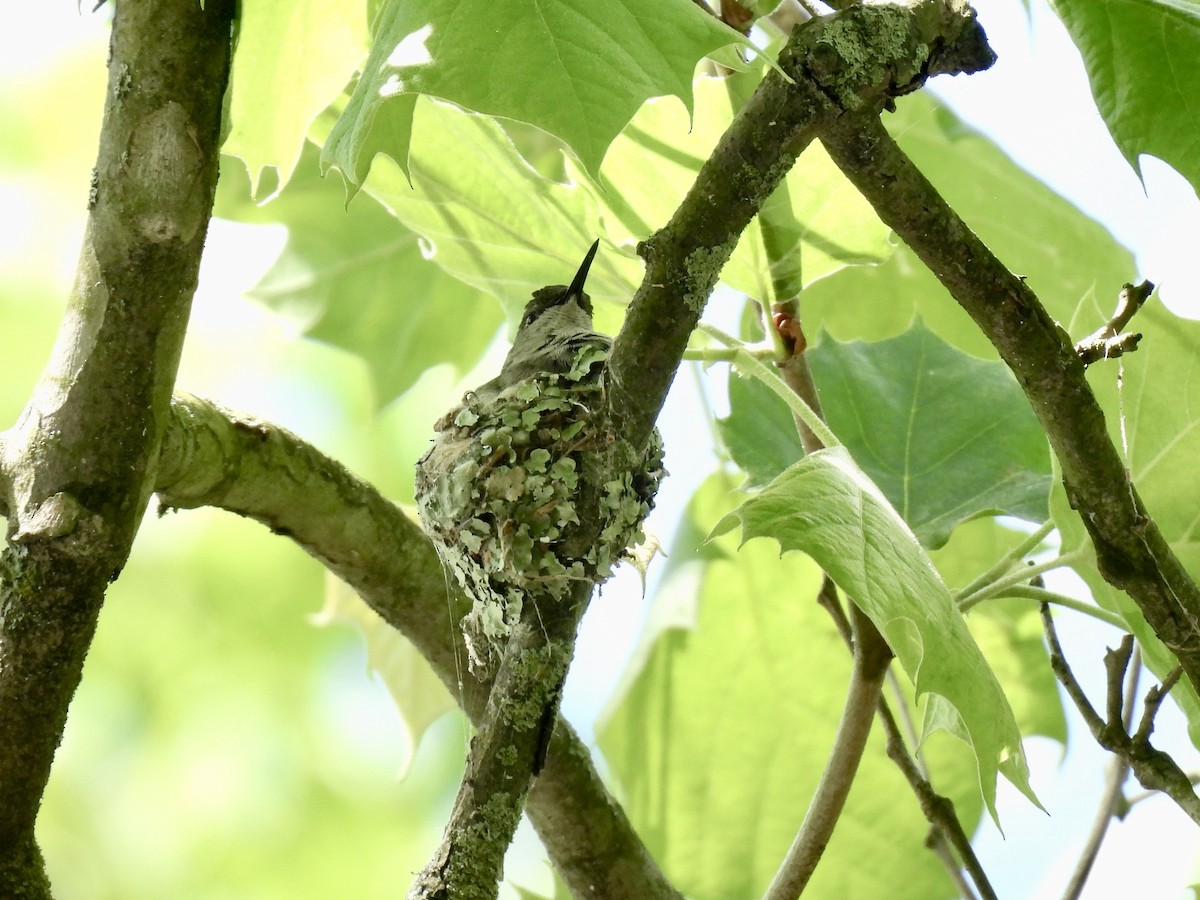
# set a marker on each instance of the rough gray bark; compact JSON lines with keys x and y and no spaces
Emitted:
{"x":77,"y":468}
{"x":1131,"y":552}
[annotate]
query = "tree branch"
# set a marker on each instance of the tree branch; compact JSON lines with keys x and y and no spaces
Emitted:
{"x":860,"y":57}
{"x":871,"y":659}
{"x":79,"y":462}
{"x":856,"y":59}
{"x":1108,"y":341}
{"x":240,"y":464}
{"x":1118,"y":771}
{"x":939,"y":811}
{"x":507,"y":753}
{"x":870,"y":652}
{"x":902,"y":46}
{"x":1131,"y":552}
{"x":1155,"y":769}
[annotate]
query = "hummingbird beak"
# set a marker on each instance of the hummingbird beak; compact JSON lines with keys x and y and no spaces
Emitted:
{"x":576,"y":288}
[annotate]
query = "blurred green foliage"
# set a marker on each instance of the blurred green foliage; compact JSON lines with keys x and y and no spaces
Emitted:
{"x":219,"y":745}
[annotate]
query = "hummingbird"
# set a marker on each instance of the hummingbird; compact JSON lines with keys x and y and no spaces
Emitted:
{"x":555,"y":324}
{"x":498,"y":490}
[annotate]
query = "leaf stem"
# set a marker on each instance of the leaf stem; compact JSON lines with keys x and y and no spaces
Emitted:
{"x":1016,"y":577}
{"x":746,"y":361}
{"x":1010,"y":559}
{"x":1029,"y":592}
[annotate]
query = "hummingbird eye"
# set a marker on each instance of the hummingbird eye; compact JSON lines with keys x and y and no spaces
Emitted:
{"x":529,"y":317}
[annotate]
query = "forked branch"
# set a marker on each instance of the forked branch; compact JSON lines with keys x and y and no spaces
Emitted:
{"x":1111,"y":340}
{"x":214,"y":458}
{"x":1155,"y":769}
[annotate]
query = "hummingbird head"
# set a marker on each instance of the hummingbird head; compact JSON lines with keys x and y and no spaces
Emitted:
{"x":561,"y":303}
{"x":553,"y":321}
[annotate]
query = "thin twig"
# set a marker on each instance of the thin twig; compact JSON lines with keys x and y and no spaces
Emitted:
{"x":1152,"y":767}
{"x":938,"y":810}
{"x":1058,"y":664}
{"x":1107,"y":341}
{"x":871,"y":659}
{"x":938,"y":846}
{"x":1154,"y":699}
{"x":947,"y":831}
{"x":1116,"y":662}
{"x":908,"y":725}
{"x":1110,"y":800}
{"x":872,"y":656}
{"x":1118,"y":771}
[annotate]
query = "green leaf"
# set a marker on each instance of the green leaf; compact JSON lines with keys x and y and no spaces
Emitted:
{"x":420,"y":696}
{"x":292,"y":61}
{"x":759,"y":431}
{"x":358,"y":279}
{"x":946,"y":437}
{"x":1143,"y":60}
{"x":1008,"y":630}
{"x":1064,"y":255}
{"x":826,"y":507}
{"x":822,"y":223}
{"x":497,"y":224}
{"x":578,"y":69}
{"x":491,"y":220}
{"x":1158,"y":409}
{"x":727,"y":719}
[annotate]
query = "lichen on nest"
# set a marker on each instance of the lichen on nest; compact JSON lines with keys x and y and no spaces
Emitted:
{"x":498,"y":493}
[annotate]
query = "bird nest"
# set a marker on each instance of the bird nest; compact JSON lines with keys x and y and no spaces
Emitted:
{"x":499,"y":493}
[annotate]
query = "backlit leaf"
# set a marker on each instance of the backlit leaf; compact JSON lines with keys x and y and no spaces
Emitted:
{"x":578,"y":69}
{"x":945,"y":436}
{"x":728,"y":718}
{"x":827,"y":508}
{"x":1143,"y":60}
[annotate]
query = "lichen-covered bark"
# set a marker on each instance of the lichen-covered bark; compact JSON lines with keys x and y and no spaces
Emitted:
{"x":506,"y":754}
{"x":78,"y":465}
{"x":212,"y":458}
